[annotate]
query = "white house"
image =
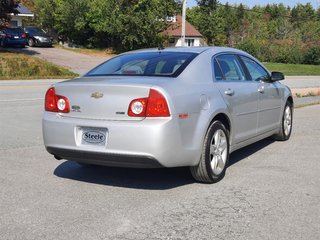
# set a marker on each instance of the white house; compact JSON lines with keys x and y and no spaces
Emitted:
{"x":193,"y":36}
{"x":16,"y":20}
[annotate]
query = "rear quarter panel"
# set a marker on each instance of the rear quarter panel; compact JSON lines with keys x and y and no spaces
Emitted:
{"x":193,"y":93}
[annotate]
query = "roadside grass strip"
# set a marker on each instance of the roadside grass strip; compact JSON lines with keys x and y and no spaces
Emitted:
{"x":20,"y":66}
{"x":294,"y":69}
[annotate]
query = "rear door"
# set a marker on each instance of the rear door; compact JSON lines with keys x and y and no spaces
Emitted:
{"x":239,"y":93}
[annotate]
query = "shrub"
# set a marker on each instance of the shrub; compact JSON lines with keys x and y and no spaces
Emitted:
{"x":312,"y":56}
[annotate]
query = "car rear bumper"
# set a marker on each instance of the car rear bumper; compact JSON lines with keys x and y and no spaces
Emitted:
{"x":106,"y":159}
{"x":146,"y":143}
{"x":15,"y":42}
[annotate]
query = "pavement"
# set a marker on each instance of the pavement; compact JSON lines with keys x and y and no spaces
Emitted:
{"x":305,"y":89}
{"x":270,"y":191}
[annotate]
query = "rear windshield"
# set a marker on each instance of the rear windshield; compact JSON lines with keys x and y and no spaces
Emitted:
{"x":14,"y":30}
{"x":145,"y":64}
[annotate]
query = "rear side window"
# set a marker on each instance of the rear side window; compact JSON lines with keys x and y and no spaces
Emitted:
{"x":230,"y":68}
{"x":257,"y":72}
{"x":145,"y":64}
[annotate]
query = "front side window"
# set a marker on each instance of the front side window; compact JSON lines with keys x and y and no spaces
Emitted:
{"x":230,"y":68}
{"x":145,"y":64}
{"x":257,"y":72}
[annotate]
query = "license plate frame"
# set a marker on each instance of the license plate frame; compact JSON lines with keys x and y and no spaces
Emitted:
{"x":93,"y":136}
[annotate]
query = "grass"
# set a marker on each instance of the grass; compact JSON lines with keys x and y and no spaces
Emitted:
{"x":20,"y":66}
{"x":294,"y":69}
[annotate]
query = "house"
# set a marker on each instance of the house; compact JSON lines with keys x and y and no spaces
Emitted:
{"x":16,"y":19}
{"x":193,"y":36}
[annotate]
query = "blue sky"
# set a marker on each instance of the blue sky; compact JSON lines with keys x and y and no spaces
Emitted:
{"x":251,"y":3}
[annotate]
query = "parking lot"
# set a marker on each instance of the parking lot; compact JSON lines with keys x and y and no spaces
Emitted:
{"x":271,"y":189}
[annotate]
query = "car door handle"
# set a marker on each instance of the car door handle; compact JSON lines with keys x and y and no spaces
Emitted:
{"x":229,"y":92}
{"x":261,"y":89}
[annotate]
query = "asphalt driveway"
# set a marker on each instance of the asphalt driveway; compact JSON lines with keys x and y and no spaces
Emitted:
{"x":270,"y":191}
{"x":76,"y":62}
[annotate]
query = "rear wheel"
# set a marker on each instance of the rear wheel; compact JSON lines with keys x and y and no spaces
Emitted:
{"x":31,"y":42}
{"x":286,"y":124}
{"x":215,"y":155}
{"x":3,"y":44}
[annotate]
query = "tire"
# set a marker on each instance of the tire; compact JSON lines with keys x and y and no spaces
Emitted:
{"x":3,"y":44}
{"x":215,"y":155}
{"x":286,"y":124}
{"x":31,"y":42}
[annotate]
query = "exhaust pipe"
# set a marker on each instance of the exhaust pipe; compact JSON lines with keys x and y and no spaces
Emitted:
{"x":57,"y":157}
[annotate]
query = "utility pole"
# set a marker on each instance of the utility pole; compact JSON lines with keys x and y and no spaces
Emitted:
{"x":183,"y":31}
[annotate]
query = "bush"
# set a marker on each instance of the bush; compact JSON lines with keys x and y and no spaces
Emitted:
{"x":312,"y":56}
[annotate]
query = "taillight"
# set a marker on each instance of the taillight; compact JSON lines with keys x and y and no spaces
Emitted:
{"x":138,"y":107}
{"x":154,"y":106}
{"x":8,"y":35}
{"x":56,"y":103}
{"x":23,"y":35}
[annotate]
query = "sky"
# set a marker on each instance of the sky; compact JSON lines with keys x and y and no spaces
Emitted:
{"x":251,"y":3}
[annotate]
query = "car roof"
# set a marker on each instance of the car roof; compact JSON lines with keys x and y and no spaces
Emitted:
{"x":31,"y":27}
{"x":13,"y":29}
{"x":190,"y":49}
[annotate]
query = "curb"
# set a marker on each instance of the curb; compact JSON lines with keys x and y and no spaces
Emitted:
{"x":305,"y":101}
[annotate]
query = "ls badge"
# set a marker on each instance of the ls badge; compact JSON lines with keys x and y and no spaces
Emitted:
{"x":75,"y":108}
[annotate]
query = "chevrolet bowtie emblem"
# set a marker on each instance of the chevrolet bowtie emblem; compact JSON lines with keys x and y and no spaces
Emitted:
{"x":97,"y":95}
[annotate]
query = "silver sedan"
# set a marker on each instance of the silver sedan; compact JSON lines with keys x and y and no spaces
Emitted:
{"x":167,"y":108}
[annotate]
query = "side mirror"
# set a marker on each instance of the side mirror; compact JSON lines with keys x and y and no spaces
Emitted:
{"x":277,"y":76}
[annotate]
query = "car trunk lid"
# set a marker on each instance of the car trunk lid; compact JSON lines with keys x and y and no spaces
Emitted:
{"x":102,"y":99}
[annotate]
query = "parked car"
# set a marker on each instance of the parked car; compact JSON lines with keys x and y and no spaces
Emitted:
{"x":38,"y":37}
{"x":167,"y":108}
{"x":13,"y":37}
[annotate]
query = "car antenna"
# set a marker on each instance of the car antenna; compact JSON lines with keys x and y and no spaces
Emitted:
{"x":161,"y":47}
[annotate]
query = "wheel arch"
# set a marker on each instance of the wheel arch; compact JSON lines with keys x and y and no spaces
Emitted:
{"x":224,"y":119}
{"x":290,"y":100}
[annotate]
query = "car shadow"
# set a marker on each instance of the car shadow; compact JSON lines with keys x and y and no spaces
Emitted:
{"x":27,"y":50}
{"x":245,"y":152}
{"x":149,"y":179}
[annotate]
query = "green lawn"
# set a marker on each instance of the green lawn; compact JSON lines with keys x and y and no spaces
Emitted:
{"x":294,"y":69}
{"x":20,"y":66}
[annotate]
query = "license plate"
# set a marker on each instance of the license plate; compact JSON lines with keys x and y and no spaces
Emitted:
{"x":16,"y":37}
{"x":94,"y":136}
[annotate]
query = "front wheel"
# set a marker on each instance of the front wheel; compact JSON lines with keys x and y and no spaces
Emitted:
{"x":286,"y":124}
{"x":215,"y":155}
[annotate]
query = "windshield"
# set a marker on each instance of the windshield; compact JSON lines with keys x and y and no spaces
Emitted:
{"x":145,"y":64}
{"x":35,"y":31}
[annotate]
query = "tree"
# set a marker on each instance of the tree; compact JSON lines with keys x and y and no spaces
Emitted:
{"x":45,"y":13}
{"x":7,"y":7}
{"x":71,"y":20}
{"x":131,"y":24}
{"x":210,"y":22}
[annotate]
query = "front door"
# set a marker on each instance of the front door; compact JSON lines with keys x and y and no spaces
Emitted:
{"x":269,"y":97}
